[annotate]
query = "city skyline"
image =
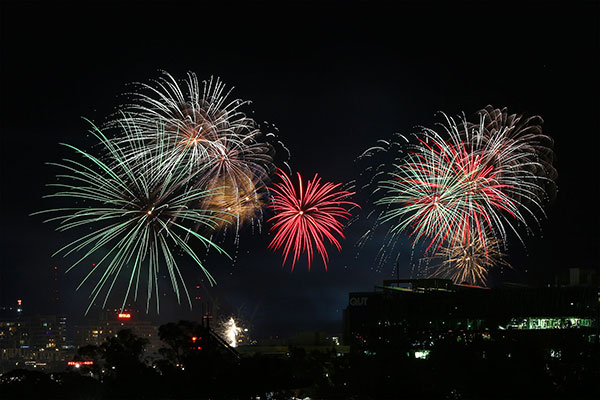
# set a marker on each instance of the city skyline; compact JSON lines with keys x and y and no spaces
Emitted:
{"x":336,"y":86}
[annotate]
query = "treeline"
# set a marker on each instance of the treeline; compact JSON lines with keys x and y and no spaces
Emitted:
{"x":195,"y":365}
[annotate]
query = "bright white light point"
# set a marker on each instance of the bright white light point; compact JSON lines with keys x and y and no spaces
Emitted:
{"x":149,"y":212}
{"x":301,"y":212}
{"x":231,"y":332}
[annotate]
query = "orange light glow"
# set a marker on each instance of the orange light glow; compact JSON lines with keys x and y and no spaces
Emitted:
{"x":237,"y":196}
{"x":75,"y":363}
{"x":124,"y":316}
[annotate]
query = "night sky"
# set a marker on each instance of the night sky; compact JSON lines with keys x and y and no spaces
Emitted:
{"x":333,"y":79}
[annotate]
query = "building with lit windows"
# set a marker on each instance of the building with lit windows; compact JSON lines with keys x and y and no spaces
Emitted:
{"x":413,"y":314}
{"x":12,"y":326}
{"x":32,"y":341}
{"x":48,"y":332}
{"x":111,"y":321}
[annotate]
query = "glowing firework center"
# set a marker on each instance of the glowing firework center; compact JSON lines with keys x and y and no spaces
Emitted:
{"x":231,"y":332}
{"x":238,"y":201}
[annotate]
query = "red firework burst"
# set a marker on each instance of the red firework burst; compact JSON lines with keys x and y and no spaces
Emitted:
{"x":304,"y":218}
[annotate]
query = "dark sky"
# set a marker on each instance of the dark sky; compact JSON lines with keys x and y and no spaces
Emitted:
{"x":333,"y":79}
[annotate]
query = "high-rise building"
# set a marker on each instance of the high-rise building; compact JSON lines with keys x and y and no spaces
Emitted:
{"x":13,"y":327}
{"x":48,"y":332}
{"x":32,"y":341}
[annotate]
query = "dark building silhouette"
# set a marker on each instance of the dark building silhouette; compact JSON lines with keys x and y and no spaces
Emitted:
{"x":415,"y":313}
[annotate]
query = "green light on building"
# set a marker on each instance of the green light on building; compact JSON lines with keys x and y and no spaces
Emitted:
{"x":549,"y":323}
{"x":422,"y":354}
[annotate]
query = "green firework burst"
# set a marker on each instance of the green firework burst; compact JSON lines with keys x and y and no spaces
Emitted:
{"x":140,"y":213}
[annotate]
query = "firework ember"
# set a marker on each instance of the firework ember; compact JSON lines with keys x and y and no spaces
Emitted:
{"x":306,"y":216}
{"x":469,"y":263}
{"x":231,"y":332}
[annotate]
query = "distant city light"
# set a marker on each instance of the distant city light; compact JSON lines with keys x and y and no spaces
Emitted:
{"x":124,"y":316}
{"x":77,"y":364}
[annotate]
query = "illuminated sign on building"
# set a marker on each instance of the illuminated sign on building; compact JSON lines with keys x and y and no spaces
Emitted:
{"x":77,"y":364}
{"x":124,"y":316}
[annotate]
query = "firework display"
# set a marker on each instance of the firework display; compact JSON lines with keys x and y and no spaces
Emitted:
{"x":181,"y":164}
{"x":508,"y":133}
{"x":185,"y":164}
{"x":139,"y":213}
{"x":448,"y":191}
{"x":201,"y":129}
{"x":468,"y":186}
{"x":230,"y":332}
{"x":238,"y":203}
{"x":308,"y":215}
{"x":469,"y":263}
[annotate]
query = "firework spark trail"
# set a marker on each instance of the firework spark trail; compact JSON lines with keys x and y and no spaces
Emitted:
{"x":140,"y":211}
{"x":230,"y":332}
{"x":196,"y":117}
{"x":469,"y":263}
{"x":240,"y":173}
{"x":373,"y":166}
{"x":507,"y":132}
{"x":449,"y":190}
{"x":304,"y":218}
{"x":202,"y":129}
